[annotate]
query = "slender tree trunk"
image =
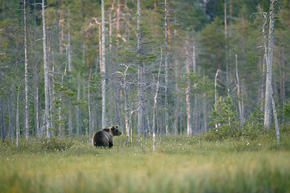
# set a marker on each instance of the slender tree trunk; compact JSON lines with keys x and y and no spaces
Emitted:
{"x":69,"y":44}
{"x":268,"y":100}
{"x":238,"y":93}
{"x":176,"y":109}
{"x":166,"y":72}
{"x":204,"y":111}
{"x":127,"y":110}
{"x":155,"y":104}
{"x":17,"y":118}
{"x":195,"y":96}
{"x":176,"y":101}
{"x":26,"y":76}
{"x":103,"y":75}
{"x":70,"y":120}
{"x":276,"y":119}
{"x":78,"y":127}
{"x":188,"y":102}
{"x":35,"y":71}
{"x":60,"y":23}
{"x":140,"y":71}
{"x":100,"y":48}
{"x":46,"y":92}
{"x":60,"y":109}
{"x":89,"y":106}
{"x":52,"y":94}
{"x":226,"y":47}
{"x":215,"y":90}
{"x":127,"y":122}
{"x":264,"y":58}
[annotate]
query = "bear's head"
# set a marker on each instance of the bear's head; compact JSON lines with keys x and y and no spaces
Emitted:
{"x":116,"y":131}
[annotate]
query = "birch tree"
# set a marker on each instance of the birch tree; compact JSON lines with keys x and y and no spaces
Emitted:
{"x":187,"y":92}
{"x":45,"y":63}
{"x":26,"y":76}
{"x":166,"y":70}
{"x":140,"y":71}
{"x":103,"y":73}
{"x":35,"y":82}
{"x":155,"y":104}
{"x":269,"y":61}
{"x":239,"y":93}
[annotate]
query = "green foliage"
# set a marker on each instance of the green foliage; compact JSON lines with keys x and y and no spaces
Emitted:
{"x":223,"y":116}
{"x":286,"y":110}
{"x":54,"y":144}
{"x":255,"y":124}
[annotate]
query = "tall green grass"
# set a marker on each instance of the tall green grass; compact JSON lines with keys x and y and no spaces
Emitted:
{"x":179,"y":164}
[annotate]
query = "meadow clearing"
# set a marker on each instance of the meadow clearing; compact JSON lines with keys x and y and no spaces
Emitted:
{"x":179,"y":164}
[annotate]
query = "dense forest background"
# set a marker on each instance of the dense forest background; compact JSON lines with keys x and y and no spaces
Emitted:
{"x":202,"y":60}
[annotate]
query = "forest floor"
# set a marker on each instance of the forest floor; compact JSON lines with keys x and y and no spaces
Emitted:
{"x":179,"y":164}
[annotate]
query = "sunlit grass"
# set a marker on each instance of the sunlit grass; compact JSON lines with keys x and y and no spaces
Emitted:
{"x":179,"y":164}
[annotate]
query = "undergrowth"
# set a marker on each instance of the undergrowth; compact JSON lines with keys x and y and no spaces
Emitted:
{"x":204,"y":162}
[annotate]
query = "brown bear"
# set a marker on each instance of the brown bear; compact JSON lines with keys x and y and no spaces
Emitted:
{"x":104,"y":137}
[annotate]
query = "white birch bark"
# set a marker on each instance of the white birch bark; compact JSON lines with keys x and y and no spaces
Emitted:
{"x":239,"y":93}
{"x":195,"y":96}
{"x":45,"y":73}
{"x":26,"y":77}
{"x":226,"y":47}
{"x":215,"y":90}
{"x":264,"y":58}
{"x":155,"y":104}
{"x":89,"y":107}
{"x":103,"y":73}
{"x":127,"y":110}
{"x":275,"y":119}
{"x":268,"y":100}
{"x":35,"y":71}
{"x":166,"y":71}
{"x":140,"y":72}
{"x":187,"y":92}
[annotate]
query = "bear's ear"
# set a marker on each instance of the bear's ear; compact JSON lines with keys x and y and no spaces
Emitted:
{"x":116,"y":126}
{"x":112,"y":128}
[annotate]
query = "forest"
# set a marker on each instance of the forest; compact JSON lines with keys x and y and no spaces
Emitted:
{"x":181,"y":79}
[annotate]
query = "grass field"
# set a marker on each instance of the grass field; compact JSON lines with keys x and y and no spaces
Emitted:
{"x":179,"y":164}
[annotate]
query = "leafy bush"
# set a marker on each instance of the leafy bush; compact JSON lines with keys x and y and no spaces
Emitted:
{"x":224,"y":119}
{"x":37,"y":145}
{"x":53,"y":144}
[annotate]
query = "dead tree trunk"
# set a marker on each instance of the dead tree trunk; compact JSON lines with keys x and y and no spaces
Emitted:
{"x":26,"y":77}
{"x":103,"y":73}
{"x":166,"y":72}
{"x":140,"y":71}
{"x":35,"y":82}
{"x":155,"y":104}
{"x":239,"y":93}
{"x":275,"y":119}
{"x":268,"y":100}
{"x":46,"y":83}
{"x":188,"y":102}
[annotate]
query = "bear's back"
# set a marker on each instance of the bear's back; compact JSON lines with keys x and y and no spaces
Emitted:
{"x":102,"y":138}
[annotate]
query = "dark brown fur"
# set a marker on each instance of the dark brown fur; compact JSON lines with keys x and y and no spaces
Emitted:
{"x":104,"y":137}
